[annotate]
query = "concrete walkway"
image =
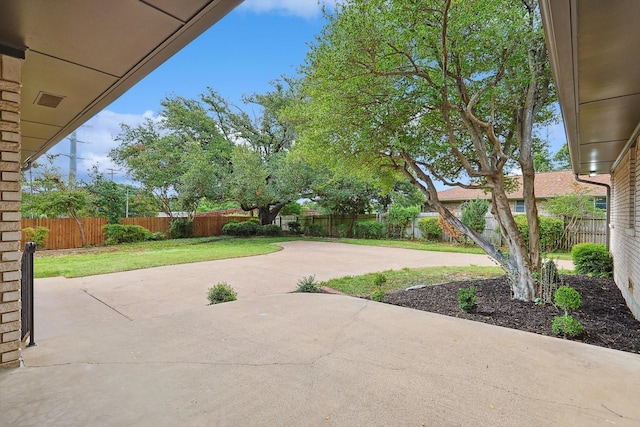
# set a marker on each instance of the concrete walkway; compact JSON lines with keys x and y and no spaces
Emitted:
{"x":143,"y":348}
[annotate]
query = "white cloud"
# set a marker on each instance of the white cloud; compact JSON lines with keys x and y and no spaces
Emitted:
{"x":95,"y":139}
{"x":302,"y":8}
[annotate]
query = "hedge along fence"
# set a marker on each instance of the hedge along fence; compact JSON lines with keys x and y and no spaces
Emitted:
{"x":328,"y":223}
{"x":64,"y":233}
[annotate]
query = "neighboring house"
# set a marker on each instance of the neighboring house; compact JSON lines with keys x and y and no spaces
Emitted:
{"x":61,"y":62}
{"x":547,"y":185}
{"x":595,"y":60}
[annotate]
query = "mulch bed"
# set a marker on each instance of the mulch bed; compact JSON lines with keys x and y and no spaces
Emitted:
{"x":607,"y":320}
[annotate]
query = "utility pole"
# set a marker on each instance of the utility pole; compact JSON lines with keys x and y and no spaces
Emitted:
{"x":113,"y":171}
{"x":73,"y":158}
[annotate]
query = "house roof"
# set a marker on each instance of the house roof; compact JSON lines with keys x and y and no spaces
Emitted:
{"x":547,"y":184}
{"x":593,"y":50}
{"x":83,"y":54}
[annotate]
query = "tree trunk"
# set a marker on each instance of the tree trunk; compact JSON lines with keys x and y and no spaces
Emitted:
{"x":267,"y":214}
{"x":83,"y":238}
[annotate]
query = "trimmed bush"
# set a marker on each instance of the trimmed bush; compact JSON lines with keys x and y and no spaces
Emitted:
{"x":220,"y":293}
{"x":36,"y":235}
{"x":567,"y":326}
{"x":592,"y":259}
{"x":567,"y":299}
{"x":181,"y":228}
{"x":241,"y":229}
{"x":295,"y":227}
{"x":314,"y":230}
{"x":269,"y":230}
{"x":551,"y":230}
{"x":369,"y":229}
{"x":157,"y":236}
{"x":467,"y":299}
{"x":117,"y":233}
{"x":430,"y":228}
{"x":308,"y":284}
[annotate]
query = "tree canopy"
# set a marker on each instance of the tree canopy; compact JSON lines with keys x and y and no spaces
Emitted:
{"x":439,"y":90}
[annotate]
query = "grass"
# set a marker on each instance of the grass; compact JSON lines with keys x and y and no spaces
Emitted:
{"x":401,"y":279}
{"x":135,"y":256}
{"x":424,"y":245}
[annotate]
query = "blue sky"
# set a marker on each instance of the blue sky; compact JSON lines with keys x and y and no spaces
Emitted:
{"x":257,"y":42}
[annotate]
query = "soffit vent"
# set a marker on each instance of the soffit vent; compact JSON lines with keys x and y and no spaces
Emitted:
{"x":48,"y":100}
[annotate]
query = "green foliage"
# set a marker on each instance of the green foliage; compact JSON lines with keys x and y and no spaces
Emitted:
{"x":379,"y":280}
{"x":117,"y":233}
{"x":430,"y":228}
{"x":592,"y":259}
{"x":156,"y":236}
{"x":314,"y":230}
{"x":220,"y":293}
{"x":343,"y":230}
{"x":181,"y":228}
{"x":369,"y":230}
{"x":377,"y":295}
{"x":291,"y":208}
{"x":567,"y":326}
{"x":179,"y":160}
{"x":567,"y":299}
{"x":241,"y":229}
{"x":467,"y":299}
{"x":473,"y":214}
{"x":551,"y":230}
{"x":295,"y":227}
{"x":36,"y":235}
{"x":400,"y":217}
{"x":269,"y":230}
{"x":308,"y":284}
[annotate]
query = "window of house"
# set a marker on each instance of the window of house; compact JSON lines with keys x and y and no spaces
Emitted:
{"x":519,"y":208}
{"x":600,"y":203}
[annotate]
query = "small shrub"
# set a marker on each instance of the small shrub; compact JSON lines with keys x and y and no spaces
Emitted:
{"x":181,"y":228}
{"x":221,"y":292}
{"x":567,"y":326}
{"x":269,"y":230}
{"x":551,"y":230}
{"x":115,"y":234}
{"x":156,"y":236}
{"x":430,"y":228}
{"x":295,"y":227}
{"x":379,"y":280}
{"x":314,"y":230}
{"x":567,"y":299}
{"x":308,"y":284}
{"x":241,"y":229}
{"x":377,"y":295}
{"x":369,"y":229}
{"x":36,"y":235}
{"x":342,"y":229}
{"x":467,"y":299}
{"x":592,"y":259}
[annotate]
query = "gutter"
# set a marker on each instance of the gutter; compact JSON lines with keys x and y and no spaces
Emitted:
{"x":608,"y":187}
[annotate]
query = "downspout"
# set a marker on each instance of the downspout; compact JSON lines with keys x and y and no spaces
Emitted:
{"x":608,"y":187}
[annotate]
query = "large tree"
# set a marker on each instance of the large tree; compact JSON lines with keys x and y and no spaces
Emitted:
{"x":180,"y":158}
{"x":440,"y":90}
{"x":264,"y":175}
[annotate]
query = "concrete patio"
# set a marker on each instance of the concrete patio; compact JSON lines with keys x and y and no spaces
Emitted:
{"x":143,"y":348}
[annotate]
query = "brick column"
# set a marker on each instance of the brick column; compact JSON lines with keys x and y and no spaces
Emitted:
{"x":10,"y":79}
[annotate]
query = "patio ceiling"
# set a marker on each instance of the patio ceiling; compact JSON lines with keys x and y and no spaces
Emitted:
{"x":593,"y":47}
{"x":83,"y":54}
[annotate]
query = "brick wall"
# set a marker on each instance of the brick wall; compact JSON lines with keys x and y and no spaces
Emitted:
{"x":625,"y":232}
{"x":10,"y":78}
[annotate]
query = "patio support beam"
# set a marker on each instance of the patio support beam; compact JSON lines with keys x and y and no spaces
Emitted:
{"x":10,"y":196}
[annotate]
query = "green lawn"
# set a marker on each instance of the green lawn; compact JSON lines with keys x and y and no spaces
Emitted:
{"x":151,"y":254}
{"x":400,"y":279}
{"x":135,"y":256}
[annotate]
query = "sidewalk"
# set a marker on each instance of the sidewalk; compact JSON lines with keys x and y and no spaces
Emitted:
{"x":143,"y":348}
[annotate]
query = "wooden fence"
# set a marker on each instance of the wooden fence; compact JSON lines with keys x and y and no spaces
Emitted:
{"x":65,"y":234}
{"x":328,"y":223}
